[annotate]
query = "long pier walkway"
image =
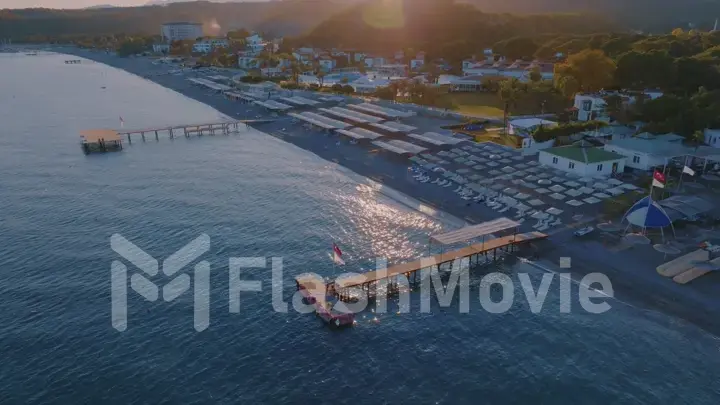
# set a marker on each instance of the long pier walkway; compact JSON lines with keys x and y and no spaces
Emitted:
{"x":488,"y":250}
{"x":187,"y":130}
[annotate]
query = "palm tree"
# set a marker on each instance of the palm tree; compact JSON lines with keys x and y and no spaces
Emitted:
{"x":508,"y":93}
{"x":321,"y":77}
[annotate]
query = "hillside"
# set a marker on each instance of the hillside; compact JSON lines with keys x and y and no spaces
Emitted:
{"x":293,"y":17}
{"x":439,"y":26}
{"x":289,"y":17}
{"x":634,"y":14}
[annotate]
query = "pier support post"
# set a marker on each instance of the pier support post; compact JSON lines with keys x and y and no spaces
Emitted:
{"x":129,"y":139}
{"x":143,"y":136}
{"x":171,"y":133}
{"x":157,"y":138}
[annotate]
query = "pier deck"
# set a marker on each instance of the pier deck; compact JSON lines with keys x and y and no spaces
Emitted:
{"x":210,"y":128}
{"x":438,"y":259}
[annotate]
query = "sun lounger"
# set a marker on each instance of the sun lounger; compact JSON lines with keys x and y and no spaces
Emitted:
{"x":695,"y":272}
{"x":683,"y":263}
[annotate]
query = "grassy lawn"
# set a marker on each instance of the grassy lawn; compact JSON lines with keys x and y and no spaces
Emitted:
{"x":490,"y":105}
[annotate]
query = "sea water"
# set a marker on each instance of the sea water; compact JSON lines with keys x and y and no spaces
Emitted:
{"x":256,"y":196}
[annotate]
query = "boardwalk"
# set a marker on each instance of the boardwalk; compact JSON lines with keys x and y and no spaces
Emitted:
{"x":186,"y":130}
{"x":319,"y":287}
{"x":438,"y":259}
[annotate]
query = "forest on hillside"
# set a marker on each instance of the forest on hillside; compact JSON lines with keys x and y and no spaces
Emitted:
{"x":294,"y":17}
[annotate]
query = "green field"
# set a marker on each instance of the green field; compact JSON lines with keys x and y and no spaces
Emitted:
{"x":490,"y":105}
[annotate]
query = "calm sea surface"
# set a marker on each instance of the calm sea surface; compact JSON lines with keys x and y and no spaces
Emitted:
{"x":257,"y":196}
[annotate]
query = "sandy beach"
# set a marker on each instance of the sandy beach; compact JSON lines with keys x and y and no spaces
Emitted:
{"x":632,"y":271}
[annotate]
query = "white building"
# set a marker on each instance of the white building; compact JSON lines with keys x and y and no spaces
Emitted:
{"x":326,"y":64}
{"x":519,"y":69}
{"x":395,"y":70}
{"x":712,"y":137}
{"x":368,"y":84}
{"x":592,"y":106}
{"x":207,"y":45}
{"x":161,"y":48}
{"x":583,"y":160}
{"x":461,"y":83}
{"x":180,"y":31}
{"x":272,"y":71}
{"x":645,"y":151}
{"x":254,"y":43}
{"x":525,"y":127}
{"x":371,"y":61}
{"x":248,"y":61}
{"x":416,"y":64}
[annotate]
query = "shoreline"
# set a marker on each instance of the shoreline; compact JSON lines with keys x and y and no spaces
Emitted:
{"x":632,"y":273}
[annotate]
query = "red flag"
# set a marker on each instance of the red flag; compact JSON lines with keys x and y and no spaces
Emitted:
{"x":337,"y":250}
{"x":659,"y":176}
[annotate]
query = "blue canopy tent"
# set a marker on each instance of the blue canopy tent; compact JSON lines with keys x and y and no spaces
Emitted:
{"x":647,"y":213}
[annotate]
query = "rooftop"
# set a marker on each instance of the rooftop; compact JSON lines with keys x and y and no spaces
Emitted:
{"x":182,"y":23}
{"x":584,"y":154}
{"x":657,"y":147}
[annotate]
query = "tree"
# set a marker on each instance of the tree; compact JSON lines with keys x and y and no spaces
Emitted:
{"x":614,"y":106}
{"x":509,"y":92}
{"x":568,"y":86}
{"x":535,"y":75}
{"x":132,"y":46}
{"x":386,"y":93}
{"x":592,"y":69}
{"x":337,"y":88}
{"x":638,"y":70}
{"x":348,"y":89}
{"x":517,"y":48}
{"x":321,"y":77}
{"x":239,"y":34}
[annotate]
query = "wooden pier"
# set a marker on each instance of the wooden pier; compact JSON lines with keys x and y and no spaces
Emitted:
{"x":91,"y":138}
{"x":488,"y":251}
{"x":212,"y":128}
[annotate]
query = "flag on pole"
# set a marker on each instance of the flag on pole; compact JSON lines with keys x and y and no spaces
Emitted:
{"x":122,"y":122}
{"x":658,"y":179}
{"x":688,"y":170}
{"x":337,"y":255}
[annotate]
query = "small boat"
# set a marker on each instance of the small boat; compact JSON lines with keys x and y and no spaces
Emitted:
{"x":584,"y":231}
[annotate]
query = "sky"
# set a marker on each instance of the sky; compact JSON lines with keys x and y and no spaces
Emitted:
{"x":66,"y":3}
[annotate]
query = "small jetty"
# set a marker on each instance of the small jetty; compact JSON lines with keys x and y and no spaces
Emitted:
{"x":318,"y":292}
{"x":73,"y":61}
{"x":100,"y":140}
{"x":105,"y":140}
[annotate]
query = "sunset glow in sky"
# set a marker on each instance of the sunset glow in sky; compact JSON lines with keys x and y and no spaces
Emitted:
{"x":67,"y":3}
